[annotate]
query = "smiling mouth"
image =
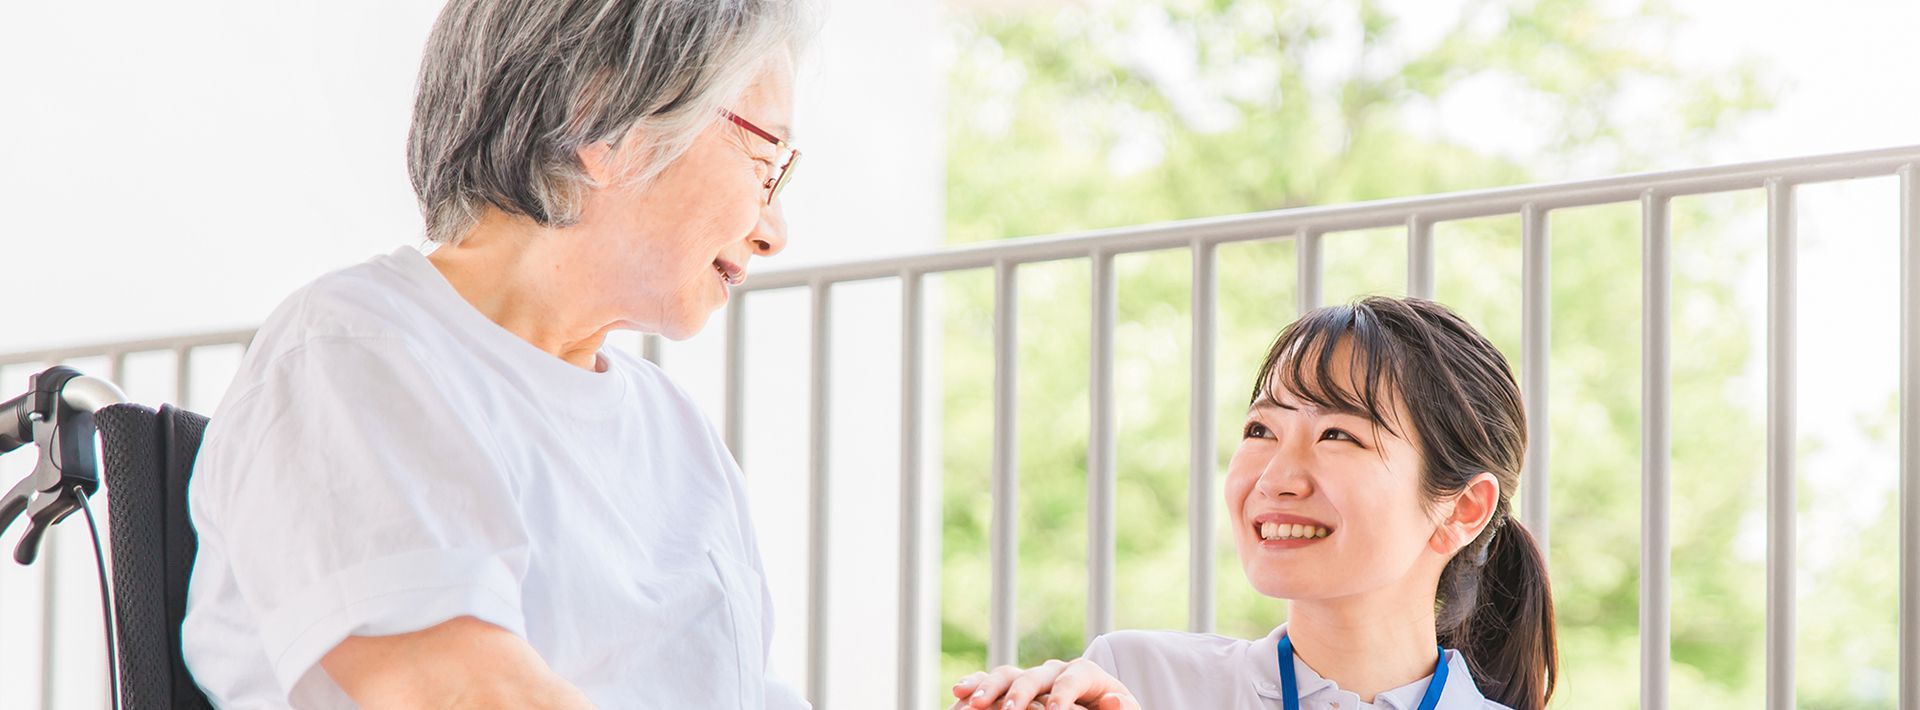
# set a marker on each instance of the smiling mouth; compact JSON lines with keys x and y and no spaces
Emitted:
{"x":1286,"y":531}
{"x":730,"y":273}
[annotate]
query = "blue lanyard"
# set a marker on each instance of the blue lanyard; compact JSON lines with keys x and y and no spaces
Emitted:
{"x":1288,"y":687}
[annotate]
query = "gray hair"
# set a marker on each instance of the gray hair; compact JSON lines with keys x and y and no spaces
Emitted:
{"x":510,"y":90}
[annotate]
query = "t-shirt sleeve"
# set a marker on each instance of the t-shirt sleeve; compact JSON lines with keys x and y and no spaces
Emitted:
{"x":1100,"y":652}
{"x":354,"y":497}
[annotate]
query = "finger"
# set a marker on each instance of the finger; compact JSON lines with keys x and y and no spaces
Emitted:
{"x":1032,"y":683}
{"x":1117,"y":701}
{"x":1047,"y":701}
{"x":1082,"y":681}
{"x":1068,"y":688}
{"x":993,"y":686}
{"x":964,"y":687}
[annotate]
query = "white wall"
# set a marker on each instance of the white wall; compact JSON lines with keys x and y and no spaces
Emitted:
{"x":180,"y":167}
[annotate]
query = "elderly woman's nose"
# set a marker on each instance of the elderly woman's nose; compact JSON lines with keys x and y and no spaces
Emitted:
{"x":769,"y":237}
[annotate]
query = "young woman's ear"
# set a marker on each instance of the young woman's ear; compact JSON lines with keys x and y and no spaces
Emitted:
{"x":1469,"y":513}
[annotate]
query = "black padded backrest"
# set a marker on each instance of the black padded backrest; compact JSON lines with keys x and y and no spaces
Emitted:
{"x":148,"y":459}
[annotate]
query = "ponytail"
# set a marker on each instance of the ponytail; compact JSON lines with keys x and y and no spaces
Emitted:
{"x":1496,"y":607}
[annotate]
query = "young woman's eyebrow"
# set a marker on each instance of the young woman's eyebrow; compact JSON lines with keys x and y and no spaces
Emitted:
{"x":1268,"y":401}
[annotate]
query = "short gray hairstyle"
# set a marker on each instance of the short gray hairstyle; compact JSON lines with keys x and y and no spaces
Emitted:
{"x":510,"y":90}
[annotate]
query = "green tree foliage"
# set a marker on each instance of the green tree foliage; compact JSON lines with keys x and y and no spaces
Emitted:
{"x":1073,"y":116}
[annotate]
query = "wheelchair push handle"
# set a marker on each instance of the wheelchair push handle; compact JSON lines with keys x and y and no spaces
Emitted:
{"x":56,"y":416}
{"x":15,"y":422}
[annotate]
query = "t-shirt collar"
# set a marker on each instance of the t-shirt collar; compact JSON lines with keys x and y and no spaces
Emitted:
{"x":584,"y":391}
{"x":1262,"y":669}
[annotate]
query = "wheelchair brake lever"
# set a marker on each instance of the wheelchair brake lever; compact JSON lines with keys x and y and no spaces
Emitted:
{"x":53,"y":502}
{"x":16,"y":502}
{"x":47,"y":510}
{"x":23,"y":494}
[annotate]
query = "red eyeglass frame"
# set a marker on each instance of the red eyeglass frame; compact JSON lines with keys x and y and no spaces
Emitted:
{"x":781,"y":172}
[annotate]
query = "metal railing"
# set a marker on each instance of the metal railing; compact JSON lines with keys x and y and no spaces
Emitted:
{"x":1533,"y":205}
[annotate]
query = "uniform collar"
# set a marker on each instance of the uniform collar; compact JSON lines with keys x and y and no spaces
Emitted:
{"x":1261,"y":668}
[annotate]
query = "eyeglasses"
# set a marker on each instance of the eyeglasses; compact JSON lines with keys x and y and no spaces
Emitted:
{"x":784,"y":169}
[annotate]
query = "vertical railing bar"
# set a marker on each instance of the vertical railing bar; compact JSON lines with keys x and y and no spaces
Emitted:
{"x":1200,"y":505}
{"x":736,"y":365}
{"x":1101,"y":472}
{"x":651,"y":345}
{"x":1420,"y":271}
{"x":1782,"y":290}
{"x":49,"y":620}
{"x":1536,"y":257}
{"x":117,"y":368}
{"x":1909,"y":656}
{"x":1307,"y":256}
{"x":915,"y":529}
{"x":1003,"y":640}
{"x":818,"y":492}
{"x":183,"y":376}
{"x":1656,"y":450}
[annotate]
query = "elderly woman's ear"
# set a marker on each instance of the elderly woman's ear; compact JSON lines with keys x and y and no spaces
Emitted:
{"x":601,"y":161}
{"x":595,"y":158}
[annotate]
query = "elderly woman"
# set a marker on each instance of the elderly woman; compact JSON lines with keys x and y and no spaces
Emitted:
{"x":429,"y":485}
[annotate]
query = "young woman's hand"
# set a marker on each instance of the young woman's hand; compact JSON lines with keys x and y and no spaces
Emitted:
{"x":1054,"y":685}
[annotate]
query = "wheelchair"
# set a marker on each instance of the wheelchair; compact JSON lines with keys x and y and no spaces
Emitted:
{"x":148,"y":456}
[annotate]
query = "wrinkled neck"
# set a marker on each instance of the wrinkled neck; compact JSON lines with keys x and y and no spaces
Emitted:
{"x":517,"y":276}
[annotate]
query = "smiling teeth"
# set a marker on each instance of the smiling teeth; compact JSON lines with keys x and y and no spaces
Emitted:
{"x":1284,"y":531}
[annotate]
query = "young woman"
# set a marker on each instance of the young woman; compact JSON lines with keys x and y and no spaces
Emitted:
{"x":1371,"y":489}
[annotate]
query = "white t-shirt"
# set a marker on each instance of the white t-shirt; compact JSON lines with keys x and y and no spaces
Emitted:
{"x":388,"y":459}
{"x":1171,"y":670}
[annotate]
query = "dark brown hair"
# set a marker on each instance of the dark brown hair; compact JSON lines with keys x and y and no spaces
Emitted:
{"x":1462,"y":411}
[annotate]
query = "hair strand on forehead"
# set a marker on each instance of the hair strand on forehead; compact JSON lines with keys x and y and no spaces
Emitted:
{"x":1303,"y":362}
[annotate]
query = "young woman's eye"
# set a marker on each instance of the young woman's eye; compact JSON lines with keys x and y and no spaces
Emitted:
{"x":1338,"y":435}
{"x":1256,"y":430}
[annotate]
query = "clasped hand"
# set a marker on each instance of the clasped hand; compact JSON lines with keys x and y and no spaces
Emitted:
{"x":1054,"y":685}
